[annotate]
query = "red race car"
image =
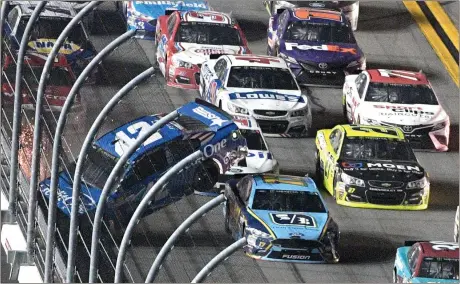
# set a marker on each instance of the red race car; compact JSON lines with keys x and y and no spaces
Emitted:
{"x":185,"y":40}
{"x":58,"y":86}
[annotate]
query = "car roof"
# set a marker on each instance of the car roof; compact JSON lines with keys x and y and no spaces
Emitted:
{"x":284,"y":182}
{"x":257,"y":60}
{"x":206,"y":17}
{"x":311,"y":14}
{"x":430,"y":249}
{"x":246,"y":122}
{"x":397,"y":77}
{"x":352,"y":130}
{"x":63,"y":10}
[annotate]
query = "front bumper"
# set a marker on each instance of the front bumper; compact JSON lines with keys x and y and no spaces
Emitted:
{"x":185,"y":78}
{"x":308,"y":74}
{"x":375,"y":198}
{"x":284,"y":126}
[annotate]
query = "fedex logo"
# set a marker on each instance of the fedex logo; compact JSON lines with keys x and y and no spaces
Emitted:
{"x":324,"y":47}
{"x":211,"y":116}
{"x":266,"y":96}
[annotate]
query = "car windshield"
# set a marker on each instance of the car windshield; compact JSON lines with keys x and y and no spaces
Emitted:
{"x":253,"y":77}
{"x":208,"y":33}
{"x":400,"y":94}
{"x":254,"y":139}
{"x":58,"y":76}
{"x":360,"y":148}
{"x":287,"y":200}
{"x":319,"y":32}
{"x":51,"y":28}
{"x":191,"y":124}
{"x":439,"y":268}
{"x":98,"y":166}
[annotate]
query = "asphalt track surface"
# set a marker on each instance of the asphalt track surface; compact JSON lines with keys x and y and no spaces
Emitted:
{"x":390,"y":39}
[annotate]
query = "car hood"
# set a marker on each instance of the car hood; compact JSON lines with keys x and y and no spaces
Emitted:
{"x":89,"y":196}
{"x":404,"y":114}
{"x":154,"y":9}
{"x":267,"y":100}
{"x":256,"y":162}
{"x":198,"y":53}
{"x":382,"y":170}
{"x":333,"y":53}
{"x":294,"y":225}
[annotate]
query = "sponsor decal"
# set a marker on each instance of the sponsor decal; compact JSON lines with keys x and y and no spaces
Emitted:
{"x":289,"y":219}
{"x":404,"y":110}
{"x":174,"y":4}
{"x":266,"y":96}
{"x":261,"y":60}
{"x":352,"y":165}
{"x":260,"y":155}
{"x":87,"y":200}
{"x":208,"y":51}
{"x":304,"y":14}
{"x":295,"y":257}
{"x":45,"y":45}
{"x":358,"y":165}
{"x":206,"y":15}
{"x":209,"y":150}
{"x":323,"y":47}
{"x":296,"y":235}
{"x":244,"y":121}
{"x":206,"y":114}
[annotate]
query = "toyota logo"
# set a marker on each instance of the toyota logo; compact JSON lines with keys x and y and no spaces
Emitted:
{"x":407,"y":128}
{"x":322,"y":65}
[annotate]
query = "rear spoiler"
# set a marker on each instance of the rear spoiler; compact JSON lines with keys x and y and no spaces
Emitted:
{"x":214,"y":108}
{"x":410,"y":243}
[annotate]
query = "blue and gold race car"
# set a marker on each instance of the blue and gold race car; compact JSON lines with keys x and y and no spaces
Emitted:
{"x":283,"y":218}
{"x":370,"y":167}
{"x":200,"y":126}
{"x":427,"y":262}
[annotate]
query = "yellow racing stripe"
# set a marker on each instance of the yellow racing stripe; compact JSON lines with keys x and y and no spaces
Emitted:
{"x":435,"y":41}
{"x":444,"y":20}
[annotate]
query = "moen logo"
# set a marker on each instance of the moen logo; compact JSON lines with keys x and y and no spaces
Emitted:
{"x":359,"y":165}
{"x":174,"y":4}
{"x":210,"y":150}
{"x":266,"y":96}
{"x":297,"y":257}
{"x":405,"y":109}
{"x":323,"y":47}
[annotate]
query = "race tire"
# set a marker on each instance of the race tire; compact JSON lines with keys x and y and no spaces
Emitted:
{"x":319,"y":175}
{"x":220,"y":104}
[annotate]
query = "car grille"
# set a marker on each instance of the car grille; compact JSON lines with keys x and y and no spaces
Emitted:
{"x":296,"y":243}
{"x":386,"y":184}
{"x":416,"y":134}
{"x":270,"y":112}
{"x":273,"y":126}
{"x":385,"y":198}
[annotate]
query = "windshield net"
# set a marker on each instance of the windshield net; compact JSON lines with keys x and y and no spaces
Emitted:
{"x":439,"y":268}
{"x":319,"y":32}
{"x":400,"y":94}
{"x":207,"y":33}
{"x":376,"y":148}
{"x":261,"y":78}
{"x":254,"y":139}
{"x":287,"y":200}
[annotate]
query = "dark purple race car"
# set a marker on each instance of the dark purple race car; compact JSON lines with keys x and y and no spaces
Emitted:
{"x":317,"y":43}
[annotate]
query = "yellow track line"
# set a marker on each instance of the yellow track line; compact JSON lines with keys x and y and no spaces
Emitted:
{"x":444,"y":20}
{"x":434,"y":40}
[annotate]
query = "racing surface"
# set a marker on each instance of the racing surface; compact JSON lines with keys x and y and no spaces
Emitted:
{"x":389,"y":38}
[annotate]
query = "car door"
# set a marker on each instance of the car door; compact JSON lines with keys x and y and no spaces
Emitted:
{"x":358,"y":96}
{"x":213,"y":80}
{"x":167,"y":37}
{"x":330,"y":165}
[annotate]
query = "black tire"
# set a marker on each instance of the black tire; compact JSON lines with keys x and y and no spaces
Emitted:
{"x":395,"y":276}
{"x":318,"y":173}
{"x":227,"y":220}
{"x":220,"y":104}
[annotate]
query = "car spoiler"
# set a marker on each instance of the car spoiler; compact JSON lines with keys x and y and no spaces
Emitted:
{"x":214,"y":108}
{"x":411,"y":243}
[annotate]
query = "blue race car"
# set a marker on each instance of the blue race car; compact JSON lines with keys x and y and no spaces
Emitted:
{"x":318,"y":45}
{"x":78,"y":49}
{"x":200,"y":126}
{"x":143,"y":15}
{"x":283,"y":218}
{"x":427,"y":262}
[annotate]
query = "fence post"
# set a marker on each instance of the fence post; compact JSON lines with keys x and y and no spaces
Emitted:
{"x":180,"y":230}
{"x":108,"y":186}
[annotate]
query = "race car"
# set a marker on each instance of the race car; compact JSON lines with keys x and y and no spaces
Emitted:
{"x":261,"y":86}
{"x":398,"y":98}
{"x":349,"y":8}
{"x":370,"y":167}
{"x":318,"y":45}
{"x":427,"y":262}
{"x":58,"y":86}
{"x":78,"y":49}
{"x":457,"y":227}
{"x":186,"y":39}
{"x":200,"y":126}
{"x":283,"y":218}
{"x":143,"y":15}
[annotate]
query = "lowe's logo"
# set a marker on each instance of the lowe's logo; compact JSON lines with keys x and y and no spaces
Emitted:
{"x":266,"y":96}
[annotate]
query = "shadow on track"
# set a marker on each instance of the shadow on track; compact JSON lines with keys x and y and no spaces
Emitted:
{"x":363,"y":248}
{"x":254,"y":30}
{"x":443,"y":196}
{"x":378,"y":18}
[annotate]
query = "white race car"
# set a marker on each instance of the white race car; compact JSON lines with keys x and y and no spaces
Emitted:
{"x":456,"y":228}
{"x":398,"y":98}
{"x":261,"y":86}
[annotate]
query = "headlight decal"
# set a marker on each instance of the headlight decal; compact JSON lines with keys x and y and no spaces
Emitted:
{"x":421,"y":183}
{"x":349,"y":180}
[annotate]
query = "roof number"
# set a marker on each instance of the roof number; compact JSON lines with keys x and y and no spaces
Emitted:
{"x":261,"y":60}
{"x":208,"y":15}
{"x":125,"y":142}
{"x":440,"y":245}
{"x":401,"y":74}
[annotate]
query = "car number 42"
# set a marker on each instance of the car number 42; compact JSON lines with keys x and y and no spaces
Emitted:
{"x":125,"y":142}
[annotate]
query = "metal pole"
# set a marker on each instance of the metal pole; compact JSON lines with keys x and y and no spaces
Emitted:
{"x":50,"y":237}
{"x":179,"y":231}
{"x":223,"y":255}
{"x":17,"y":129}
{"x":73,"y":231}
{"x":57,"y":143}
{"x":143,"y":205}
{"x":108,"y":186}
{"x":5,"y":5}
